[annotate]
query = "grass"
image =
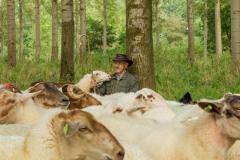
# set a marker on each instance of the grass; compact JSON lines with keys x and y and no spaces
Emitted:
{"x":209,"y":78}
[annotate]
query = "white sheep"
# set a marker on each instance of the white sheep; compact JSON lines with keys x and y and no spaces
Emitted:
{"x":63,"y":135}
{"x":208,"y":137}
{"x":98,"y":76}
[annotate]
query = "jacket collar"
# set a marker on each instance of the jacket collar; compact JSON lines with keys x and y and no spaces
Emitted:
{"x":124,"y":76}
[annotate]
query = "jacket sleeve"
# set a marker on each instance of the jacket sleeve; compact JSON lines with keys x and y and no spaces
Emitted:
{"x":134,"y":86}
{"x":101,"y":90}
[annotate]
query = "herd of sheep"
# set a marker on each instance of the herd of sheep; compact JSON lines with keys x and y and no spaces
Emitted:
{"x":52,"y":121}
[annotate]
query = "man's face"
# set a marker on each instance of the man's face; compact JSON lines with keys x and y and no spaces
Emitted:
{"x":120,"y":67}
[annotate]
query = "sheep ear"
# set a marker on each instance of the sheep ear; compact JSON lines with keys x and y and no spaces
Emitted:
{"x":93,"y":76}
{"x":70,"y":128}
{"x":211,"y":106}
{"x":27,"y":96}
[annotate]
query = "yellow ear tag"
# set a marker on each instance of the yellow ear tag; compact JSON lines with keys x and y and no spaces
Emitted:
{"x":208,"y":108}
{"x":65,"y":129}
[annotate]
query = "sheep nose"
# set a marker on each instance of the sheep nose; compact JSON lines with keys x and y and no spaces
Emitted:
{"x":120,"y":154}
{"x":65,"y":100}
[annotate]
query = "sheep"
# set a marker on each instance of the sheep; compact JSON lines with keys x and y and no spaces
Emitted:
{"x":64,"y":135}
{"x":145,"y":103}
{"x":28,"y":107}
{"x":208,"y":137}
{"x":78,"y":98}
{"x":98,"y":76}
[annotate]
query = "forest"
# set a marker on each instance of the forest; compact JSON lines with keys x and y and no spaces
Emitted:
{"x":184,"y":45}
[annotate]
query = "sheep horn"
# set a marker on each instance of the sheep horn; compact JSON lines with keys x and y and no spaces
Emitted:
{"x":72,"y":94}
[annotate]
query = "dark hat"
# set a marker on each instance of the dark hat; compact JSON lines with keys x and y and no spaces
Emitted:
{"x":122,"y":57}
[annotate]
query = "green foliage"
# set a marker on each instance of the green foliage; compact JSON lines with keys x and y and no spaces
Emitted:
{"x":95,"y":33}
{"x":174,"y":76}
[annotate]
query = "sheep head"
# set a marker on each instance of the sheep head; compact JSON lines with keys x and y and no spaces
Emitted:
{"x":80,"y":136}
{"x":100,"y":77}
{"x":78,"y":98}
{"x":48,"y":95}
{"x":226,"y":111}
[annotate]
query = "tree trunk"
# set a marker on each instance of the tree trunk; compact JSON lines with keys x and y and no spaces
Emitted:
{"x":1,"y":25}
{"x":104,"y":26}
{"x":77,"y":28}
{"x":21,"y":29}
{"x":54,"y":56}
{"x":139,"y":40}
{"x":157,"y":24}
{"x":83,"y":31}
{"x":11,"y":33}
{"x":191,"y":47}
{"x":67,"y":48}
{"x":218,"y":29}
{"x":37,"y":30}
{"x":205,"y":28}
{"x":235,"y":31}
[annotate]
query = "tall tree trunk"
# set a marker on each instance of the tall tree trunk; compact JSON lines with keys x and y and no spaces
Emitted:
{"x":205,"y":28}
{"x":139,"y":40}
{"x":67,"y":58}
{"x":54,"y":30}
{"x":77,"y":28}
{"x":11,"y":33}
{"x":218,"y":29}
{"x":191,"y":47}
{"x":157,"y":23}
{"x":21,"y":45}
{"x":83,"y":31}
{"x":104,"y":38}
{"x":235,"y":31}
{"x":1,"y":25}
{"x":37,"y":30}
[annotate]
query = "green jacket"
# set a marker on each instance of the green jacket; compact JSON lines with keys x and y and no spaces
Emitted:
{"x":127,"y":83}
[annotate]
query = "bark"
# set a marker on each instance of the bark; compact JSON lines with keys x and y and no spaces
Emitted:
{"x":1,"y":25}
{"x":67,"y":47}
{"x":83,"y":31}
{"x":191,"y":47}
{"x":235,"y":31}
{"x":157,"y":23}
{"x":77,"y":30}
{"x":139,"y":40}
{"x":104,"y":26}
{"x":37,"y":30}
{"x":11,"y":33}
{"x":54,"y":56}
{"x":205,"y":28}
{"x":218,"y":29}
{"x":21,"y":29}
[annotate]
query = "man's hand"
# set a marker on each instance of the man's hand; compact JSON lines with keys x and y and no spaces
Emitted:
{"x":93,"y":83}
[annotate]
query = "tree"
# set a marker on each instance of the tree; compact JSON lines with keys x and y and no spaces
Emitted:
{"x":139,"y":40}
{"x":54,"y":30}
{"x":205,"y":28}
{"x":157,"y":26}
{"x":67,"y":48}
{"x":218,"y":30}
{"x":191,"y":47}
{"x":21,"y":45}
{"x":83,"y":31}
{"x":1,"y":25}
{"x":37,"y":30}
{"x":235,"y":32}
{"x":11,"y":33}
{"x":104,"y":26}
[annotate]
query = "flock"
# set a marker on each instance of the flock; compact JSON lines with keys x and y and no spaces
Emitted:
{"x":66,"y":121}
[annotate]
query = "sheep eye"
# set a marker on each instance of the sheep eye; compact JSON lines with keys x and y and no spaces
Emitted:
{"x":84,"y":130}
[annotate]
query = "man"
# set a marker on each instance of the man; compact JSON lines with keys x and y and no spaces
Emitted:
{"x":121,"y":81}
